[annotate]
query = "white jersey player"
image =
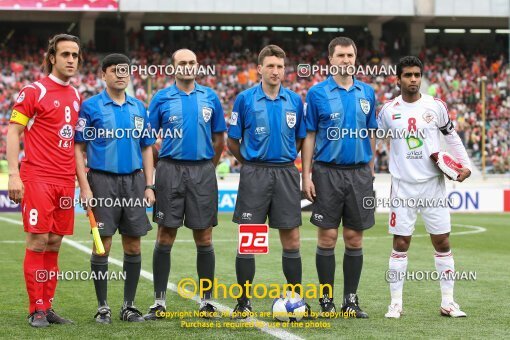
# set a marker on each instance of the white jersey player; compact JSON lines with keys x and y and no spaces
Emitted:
{"x":416,"y":183}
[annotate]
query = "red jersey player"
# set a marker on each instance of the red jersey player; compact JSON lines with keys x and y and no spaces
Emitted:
{"x":47,"y":112}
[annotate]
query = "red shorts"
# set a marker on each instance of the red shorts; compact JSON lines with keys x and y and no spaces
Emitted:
{"x":48,"y":208}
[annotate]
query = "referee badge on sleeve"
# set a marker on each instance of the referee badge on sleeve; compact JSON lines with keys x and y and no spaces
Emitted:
{"x":80,"y":124}
{"x":365,"y":105}
{"x":206,"y":113}
{"x":138,"y":123}
{"x":291,"y":119}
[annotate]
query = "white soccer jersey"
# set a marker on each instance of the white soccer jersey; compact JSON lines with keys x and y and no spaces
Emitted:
{"x":420,"y":122}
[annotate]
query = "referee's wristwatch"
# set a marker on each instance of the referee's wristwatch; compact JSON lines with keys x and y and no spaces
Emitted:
{"x":152,"y":187}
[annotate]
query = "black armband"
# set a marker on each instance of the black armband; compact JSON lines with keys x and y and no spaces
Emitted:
{"x":448,"y":128}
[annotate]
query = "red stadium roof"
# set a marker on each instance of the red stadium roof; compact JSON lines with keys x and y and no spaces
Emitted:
{"x":60,"y":5}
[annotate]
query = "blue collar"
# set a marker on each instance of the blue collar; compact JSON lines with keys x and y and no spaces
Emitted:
{"x":259,"y":93}
{"x":174,"y":90}
{"x":107,"y":100}
{"x":332,"y":85}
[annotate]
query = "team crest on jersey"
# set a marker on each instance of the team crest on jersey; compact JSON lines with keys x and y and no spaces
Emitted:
{"x":365,"y":105}
{"x":138,"y":123}
{"x":291,"y":119}
{"x":428,"y":116}
{"x":233,"y":118}
{"x":66,"y":132}
{"x":21,"y":97}
{"x":76,"y":106}
{"x":56,"y":103}
{"x":206,"y":113}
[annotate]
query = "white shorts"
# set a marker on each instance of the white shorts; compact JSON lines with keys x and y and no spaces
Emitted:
{"x":428,"y":198}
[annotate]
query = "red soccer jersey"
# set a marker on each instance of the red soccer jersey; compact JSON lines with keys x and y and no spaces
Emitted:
{"x":49,"y":110}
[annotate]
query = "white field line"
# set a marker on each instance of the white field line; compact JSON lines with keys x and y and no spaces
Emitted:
{"x":473,"y":230}
{"x":276,"y":332}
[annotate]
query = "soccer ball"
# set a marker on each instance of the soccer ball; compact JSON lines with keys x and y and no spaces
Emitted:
{"x":289,"y":308}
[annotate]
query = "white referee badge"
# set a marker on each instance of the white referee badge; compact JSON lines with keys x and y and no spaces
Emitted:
{"x":233,"y":118}
{"x":80,"y":124}
{"x":206,"y":113}
{"x":365,"y":105}
{"x":291,"y":119}
{"x":138,"y":123}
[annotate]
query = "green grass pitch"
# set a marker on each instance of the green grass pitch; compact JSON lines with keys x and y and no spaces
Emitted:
{"x":482,"y":248}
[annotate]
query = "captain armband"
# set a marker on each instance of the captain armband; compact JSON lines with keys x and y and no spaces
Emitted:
{"x":448,"y":128}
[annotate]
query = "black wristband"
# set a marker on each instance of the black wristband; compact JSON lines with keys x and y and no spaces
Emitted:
{"x":152,"y":187}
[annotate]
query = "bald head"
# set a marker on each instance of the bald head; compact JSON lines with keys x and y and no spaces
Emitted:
{"x":183,"y":54}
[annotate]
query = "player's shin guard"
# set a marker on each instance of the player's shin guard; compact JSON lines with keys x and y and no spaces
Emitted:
{"x":445,"y":266}
{"x":161,"y":262}
{"x":51,"y":266}
{"x":291,"y":263}
{"x":132,"y":267}
{"x":205,"y":267}
{"x":33,"y":267}
{"x":325,"y":263}
{"x":245,"y":271}
{"x":353,"y":263}
{"x":396,"y":274}
{"x":99,"y":266}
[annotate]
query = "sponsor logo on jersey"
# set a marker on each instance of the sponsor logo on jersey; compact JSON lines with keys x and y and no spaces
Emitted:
{"x":206,"y":113}
{"x":334,"y":116}
{"x":66,"y":132}
{"x":260,"y":130}
{"x":413,"y":142}
{"x":160,"y":215}
{"x":56,"y":103}
{"x":365,"y":105}
{"x":291,"y":119}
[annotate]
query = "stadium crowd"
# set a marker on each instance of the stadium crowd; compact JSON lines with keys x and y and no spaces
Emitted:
{"x":452,"y":75}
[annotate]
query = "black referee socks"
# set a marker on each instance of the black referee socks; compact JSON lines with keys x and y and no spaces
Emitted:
{"x":161,"y":261}
{"x":353,"y":263}
{"x":291,"y":264}
{"x":205,"y":266}
{"x":245,"y":270}
{"x":99,"y":266}
{"x":325,"y":263}
{"x":132,"y":267}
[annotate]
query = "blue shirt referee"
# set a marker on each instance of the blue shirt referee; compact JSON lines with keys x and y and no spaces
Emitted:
{"x":265,"y":134}
{"x":190,"y":120}
{"x":340,"y":123}
{"x":113,"y":131}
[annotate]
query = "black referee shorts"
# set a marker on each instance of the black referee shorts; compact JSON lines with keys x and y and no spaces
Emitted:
{"x":340,"y":192}
{"x":119,"y":203}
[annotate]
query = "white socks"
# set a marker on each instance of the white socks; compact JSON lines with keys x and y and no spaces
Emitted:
{"x":396,"y":274}
{"x":445,"y":267}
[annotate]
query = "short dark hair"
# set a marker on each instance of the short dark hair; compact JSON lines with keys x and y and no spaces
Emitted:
{"x":270,"y":51}
{"x":408,"y":61}
{"x":341,"y":41}
{"x":52,"y":49}
{"x":114,"y":59}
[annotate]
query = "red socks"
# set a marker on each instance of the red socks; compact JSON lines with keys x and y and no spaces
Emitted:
{"x":40,"y":269}
{"x":51,"y":266}
{"x":34,"y":279}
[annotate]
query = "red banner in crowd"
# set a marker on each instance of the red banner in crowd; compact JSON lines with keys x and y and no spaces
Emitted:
{"x":60,"y":5}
